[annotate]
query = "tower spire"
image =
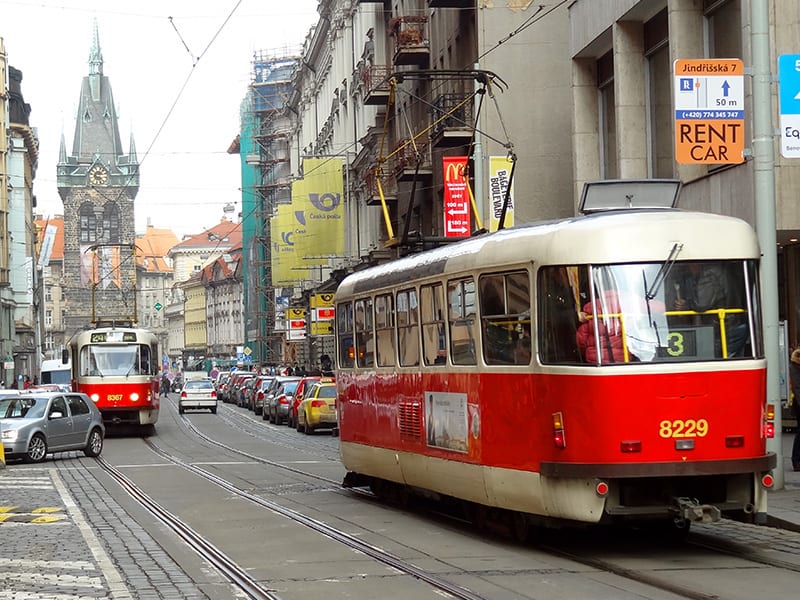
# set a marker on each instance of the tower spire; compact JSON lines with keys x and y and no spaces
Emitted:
{"x":95,"y":55}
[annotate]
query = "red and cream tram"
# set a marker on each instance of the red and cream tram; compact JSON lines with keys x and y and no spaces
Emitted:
{"x":117,"y":367}
{"x":575,"y":370}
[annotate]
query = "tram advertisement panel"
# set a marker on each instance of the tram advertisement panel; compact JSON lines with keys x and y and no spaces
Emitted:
{"x":446,"y":419}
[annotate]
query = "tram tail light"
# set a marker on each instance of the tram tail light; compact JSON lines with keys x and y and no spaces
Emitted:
{"x":734,"y":441}
{"x":769,"y":424}
{"x":559,"y":439}
{"x":767,"y":480}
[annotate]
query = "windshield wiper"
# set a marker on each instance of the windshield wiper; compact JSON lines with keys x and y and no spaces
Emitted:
{"x":663,"y":272}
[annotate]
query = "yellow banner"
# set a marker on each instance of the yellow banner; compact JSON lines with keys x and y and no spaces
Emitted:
{"x":287,"y":268}
{"x":499,"y":172}
{"x":318,"y":204}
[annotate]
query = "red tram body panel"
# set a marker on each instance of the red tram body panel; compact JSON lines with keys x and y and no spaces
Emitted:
{"x":442,"y":389}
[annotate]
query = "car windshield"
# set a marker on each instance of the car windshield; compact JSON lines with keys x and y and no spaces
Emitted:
{"x":198,"y":385}
{"x":327,"y":391}
{"x":22,"y":408}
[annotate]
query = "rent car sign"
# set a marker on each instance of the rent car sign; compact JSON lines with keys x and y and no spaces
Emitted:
{"x":709,"y":111}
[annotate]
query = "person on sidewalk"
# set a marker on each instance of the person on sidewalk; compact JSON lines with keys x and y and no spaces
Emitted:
{"x":794,"y":381}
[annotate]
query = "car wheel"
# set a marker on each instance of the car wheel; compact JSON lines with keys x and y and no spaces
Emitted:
{"x":180,"y":409}
{"x":94,"y":446}
{"x":214,"y":410}
{"x":307,"y":428}
{"x":264,"y":414}
{"x":299,"y":427}
{"x":37,"y":449}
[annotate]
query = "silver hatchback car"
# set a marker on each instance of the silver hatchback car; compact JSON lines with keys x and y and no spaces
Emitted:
{"x":35,"y":424}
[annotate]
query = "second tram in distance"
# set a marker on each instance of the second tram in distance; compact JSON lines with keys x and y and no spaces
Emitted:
{"x":117,"y":368}
{"x":569,"y":371}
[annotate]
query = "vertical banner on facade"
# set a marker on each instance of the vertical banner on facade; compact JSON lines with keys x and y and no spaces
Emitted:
{"x":87,"y":265}
{"x":109,"y":265}
{"x":499,"y":172}
{"x":319,"y":209}
{"x":456,"y":197}
{"x":286,"y":267}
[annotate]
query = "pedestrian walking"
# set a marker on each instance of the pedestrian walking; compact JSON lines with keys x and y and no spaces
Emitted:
{"x":164,"y":387}
{"x":794,"y":382}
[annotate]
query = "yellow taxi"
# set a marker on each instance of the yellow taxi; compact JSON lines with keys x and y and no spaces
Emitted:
{"x":318,"y":408}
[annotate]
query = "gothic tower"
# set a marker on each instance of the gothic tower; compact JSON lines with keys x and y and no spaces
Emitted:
{"x":97,"y":184}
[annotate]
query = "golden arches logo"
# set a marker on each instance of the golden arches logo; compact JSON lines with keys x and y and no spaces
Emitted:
{"x":454,"y":169}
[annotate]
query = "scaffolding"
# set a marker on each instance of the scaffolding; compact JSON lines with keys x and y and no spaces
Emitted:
{"x":267,"y":150}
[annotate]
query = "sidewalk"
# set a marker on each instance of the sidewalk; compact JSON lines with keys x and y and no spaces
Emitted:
{"x":783,"y":508}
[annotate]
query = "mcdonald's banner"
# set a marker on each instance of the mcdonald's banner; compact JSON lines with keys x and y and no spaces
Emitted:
{"x":456,"y":197}
{"x":499,"y":172}
{"x":318,"y":205}
{"x":287,"y":268}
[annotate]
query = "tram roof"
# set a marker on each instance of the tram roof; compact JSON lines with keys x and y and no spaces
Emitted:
{"x":617,"y":236}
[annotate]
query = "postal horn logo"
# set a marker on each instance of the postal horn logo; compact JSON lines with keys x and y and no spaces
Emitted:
{"x":325,"y":202}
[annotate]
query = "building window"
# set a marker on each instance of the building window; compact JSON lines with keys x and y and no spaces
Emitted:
{"x":111,"y":223}
{"x":88,"y":223}
{"x":723,"y":28}
{"x":608,"y":120}
{"x":48,"y":318}
{"x":659,"y":104}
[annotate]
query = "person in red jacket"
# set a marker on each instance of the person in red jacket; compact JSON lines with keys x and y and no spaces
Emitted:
{"x":608,"y":327}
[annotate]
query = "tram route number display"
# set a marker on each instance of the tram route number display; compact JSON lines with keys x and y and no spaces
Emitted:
{"x":690,"y":342}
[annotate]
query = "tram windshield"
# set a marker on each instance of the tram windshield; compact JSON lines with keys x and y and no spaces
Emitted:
{"x":110,"y":360}
{"x":653,"y":312}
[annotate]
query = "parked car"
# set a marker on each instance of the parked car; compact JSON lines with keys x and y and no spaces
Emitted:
{"x":277,"y":402}
{"x":317,"y":410}
{"x":237,"y":390}
{"x":198,"y":393}
{"x":259,"y":391}
{"x":302,"y":387}
{"x":35,"y":424}
{"x":249,"y":392}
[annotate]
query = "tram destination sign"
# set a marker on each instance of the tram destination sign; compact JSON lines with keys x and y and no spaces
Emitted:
{"x":709,"y":111}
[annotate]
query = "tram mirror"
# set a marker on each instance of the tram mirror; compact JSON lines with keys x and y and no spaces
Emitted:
{"x":622,"y":194}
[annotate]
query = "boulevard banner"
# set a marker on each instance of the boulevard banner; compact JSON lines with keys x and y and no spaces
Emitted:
{"x":499,"y":172}
{"x":317,"y":203}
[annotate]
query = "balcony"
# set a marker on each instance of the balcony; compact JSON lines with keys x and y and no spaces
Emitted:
{"x":411,"y":43}
{"x":405,"y":157}
{"x":456,"y":128}
{"x":375,"y":84}
{"x":388,"y":185}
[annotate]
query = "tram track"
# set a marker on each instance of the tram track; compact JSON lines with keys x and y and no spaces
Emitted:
{"x":252,"y":589}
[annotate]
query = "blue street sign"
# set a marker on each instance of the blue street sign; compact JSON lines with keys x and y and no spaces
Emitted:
{"x":789,"y":94}
{"x":789,"y":80}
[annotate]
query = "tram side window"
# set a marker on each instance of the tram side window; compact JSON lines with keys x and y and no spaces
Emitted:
{"x":431,"y":303}
{"x":408,"y":328}
{"x":461,"y":295}
{"x":384,"y":330}
{"x":365,"y":340}
{"x":505,"y":318}
{"x":344,"y":333}
{"x":559,"y":304}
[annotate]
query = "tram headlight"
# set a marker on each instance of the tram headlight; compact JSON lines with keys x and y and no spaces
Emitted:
{"x":134,"y":397}
{"x":95,"y":397}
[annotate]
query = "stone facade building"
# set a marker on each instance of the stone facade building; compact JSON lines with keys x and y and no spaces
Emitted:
{"x":97,"y":183}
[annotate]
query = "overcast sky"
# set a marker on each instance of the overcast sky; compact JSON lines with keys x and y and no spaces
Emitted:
{"x":181,"y":137}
